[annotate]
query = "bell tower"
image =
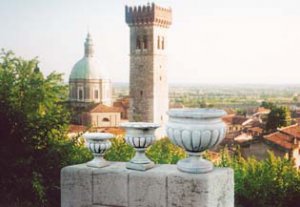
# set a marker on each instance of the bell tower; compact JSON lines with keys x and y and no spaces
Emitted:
{"x":148,"y":25}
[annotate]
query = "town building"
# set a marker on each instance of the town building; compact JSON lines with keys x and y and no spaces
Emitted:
{"x":88,"y":81}
{"x":283,"y":143}
{"x":148,"y":25}
{"x":91,"y":92}
{"x":102,"y":116}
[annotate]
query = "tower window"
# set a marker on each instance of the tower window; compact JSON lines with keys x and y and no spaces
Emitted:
{"x":163,"y":43}
{"x":138,"y":43}
{"x":158,"y":42}
{"x":141,"y":92}
{"x":160,"y":78}
{"x":145,"y":40}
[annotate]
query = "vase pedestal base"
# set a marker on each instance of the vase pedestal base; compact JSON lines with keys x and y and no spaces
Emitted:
{"x":195,"y":164}
{"x":140,"y":166}
{"x":98,"y":162}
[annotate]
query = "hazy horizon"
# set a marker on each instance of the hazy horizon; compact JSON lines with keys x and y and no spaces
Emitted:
{"x":231,"y":42}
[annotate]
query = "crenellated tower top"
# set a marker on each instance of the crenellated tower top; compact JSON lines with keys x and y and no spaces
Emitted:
{"x":148,"y":15}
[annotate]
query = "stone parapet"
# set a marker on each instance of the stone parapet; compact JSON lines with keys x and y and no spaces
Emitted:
{"x":148,"y":15}
{"x":164,"y":185}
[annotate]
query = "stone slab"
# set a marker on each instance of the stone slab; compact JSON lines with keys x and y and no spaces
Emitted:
{"x":110,"y":185}
{"x":148,"y":188}
{"x":76,"y":186}
{"x":211,"y":189}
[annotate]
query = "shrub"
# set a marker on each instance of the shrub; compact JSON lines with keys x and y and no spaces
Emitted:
{"x":272,"y":182}
{"x":120,"y":150}
{"x":161,"y":152}
{"x":164,"y":152}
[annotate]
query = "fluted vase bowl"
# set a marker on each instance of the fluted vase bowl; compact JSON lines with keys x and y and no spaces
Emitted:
{"x":98,"y":144}
{"x":140,"y":135}
{"x":195,"y":130}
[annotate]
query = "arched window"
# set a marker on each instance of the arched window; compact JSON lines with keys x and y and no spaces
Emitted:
{"x":96,"y":94}
{"x":158,"y":42}
{"x":141,"y":92}
{"x":145,"y":40}
{"x":163,"y":43}
{"x":105,"y":119}
{"x":138,"y":43}
{"x":80,"y":93}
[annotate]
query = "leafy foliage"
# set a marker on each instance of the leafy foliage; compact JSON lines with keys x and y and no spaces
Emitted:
{"x":120,"y":150}
{"x":161,"y":152}
{"x":33,"y":140}
{"x":271,"y":182}
{"x":164,"y":152}
{"x":280,"y":116}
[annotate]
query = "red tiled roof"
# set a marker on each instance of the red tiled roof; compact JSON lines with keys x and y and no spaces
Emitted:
{"x":293,"y":130}
{"x":234,"y":119}
{"x":122,"y":103}
{"x":100,"y":108}
{"x":281,"y":140}
{"x":262,"y":110}
{"x":77,"y":128}
{"x":176,"y":105}
{"x":229,"y":111}
{"x":256,"y":129}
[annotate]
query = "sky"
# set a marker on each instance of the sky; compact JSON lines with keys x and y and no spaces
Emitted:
{"x":210,"y":42}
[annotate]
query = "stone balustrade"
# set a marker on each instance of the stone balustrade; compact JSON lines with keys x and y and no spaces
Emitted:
{"x":163,"y":185}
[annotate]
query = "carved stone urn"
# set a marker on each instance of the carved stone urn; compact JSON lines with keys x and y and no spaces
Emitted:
{"x":195,"y":130}
{"x":140,"y":135}
{"x":98,"y":144}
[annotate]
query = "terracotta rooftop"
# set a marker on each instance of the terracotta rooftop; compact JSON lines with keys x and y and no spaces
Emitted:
{"x":256,"y":129}
{"x":122,"y":103}
{"x":229,"y":111}
{"x":234,"y":119}
{"x":77,"y":128}
{"x":112,"y":130}
{"x":280,"y":139}
{"x":100,"y":108}
{"x":293,"y":130}
{"x":262,"y":110}
{"x":176,"y":105}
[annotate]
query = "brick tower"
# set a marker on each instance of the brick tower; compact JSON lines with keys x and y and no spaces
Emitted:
{"x":148,"y":25}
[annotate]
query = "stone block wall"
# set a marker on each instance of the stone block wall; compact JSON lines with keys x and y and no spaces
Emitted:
{"x":164,"y":186}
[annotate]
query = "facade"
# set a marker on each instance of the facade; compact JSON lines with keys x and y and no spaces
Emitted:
{"x":102,"y":116}
{"x":88,"y":81}
{"x":148,"y":62}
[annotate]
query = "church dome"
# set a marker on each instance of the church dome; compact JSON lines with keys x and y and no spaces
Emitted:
{"x":88,"y":67}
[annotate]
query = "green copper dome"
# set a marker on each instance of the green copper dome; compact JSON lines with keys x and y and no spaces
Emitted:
{"x":88,"y":67}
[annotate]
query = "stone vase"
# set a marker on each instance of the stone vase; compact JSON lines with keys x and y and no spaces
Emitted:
{"x":98,"y":144}
{"x":140,"y":135}
{"x":195,"y":130}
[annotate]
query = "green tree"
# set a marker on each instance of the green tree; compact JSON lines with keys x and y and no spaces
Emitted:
{"x":267,"y":105}
{"x":33,"y":134}
{"x":280,"y":116}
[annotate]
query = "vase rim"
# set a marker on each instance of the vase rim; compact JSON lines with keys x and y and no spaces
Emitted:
{"x":196,"y":113}
{"x":97,"y":136}
{"x":139,"y":125}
